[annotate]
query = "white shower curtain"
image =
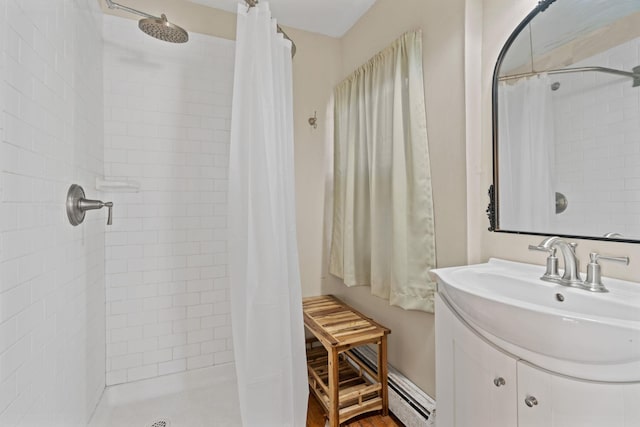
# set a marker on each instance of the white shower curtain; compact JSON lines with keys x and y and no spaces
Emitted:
{"x":266,"y":300}
{"x":526,"y":145}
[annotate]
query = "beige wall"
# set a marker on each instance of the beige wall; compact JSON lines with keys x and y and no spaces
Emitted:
{"x":316,"y":70}
{"x":500,"y":18}
{"x":411,"y":343}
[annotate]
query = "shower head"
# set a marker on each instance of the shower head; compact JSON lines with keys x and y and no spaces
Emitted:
{"x":156,"y":27}
{"x":164,"y":30}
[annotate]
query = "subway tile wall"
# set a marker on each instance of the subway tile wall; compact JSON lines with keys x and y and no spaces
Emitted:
{"x":52,"y":327}
{"x":598,"y":146}
{"x":167,"y":119}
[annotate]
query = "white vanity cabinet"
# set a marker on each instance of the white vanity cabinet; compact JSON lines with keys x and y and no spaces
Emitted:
{"x":470,"y":393}
{"x":566,"y":402}
{"x":475,"y":383}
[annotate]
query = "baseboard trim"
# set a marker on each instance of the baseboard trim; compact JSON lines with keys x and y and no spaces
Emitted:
{"x":412,"y":406}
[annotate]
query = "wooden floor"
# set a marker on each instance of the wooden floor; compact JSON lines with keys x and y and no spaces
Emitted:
{"x":316,"y":418}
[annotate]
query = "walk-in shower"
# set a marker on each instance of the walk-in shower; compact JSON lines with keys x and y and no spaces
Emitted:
{"x":154,"y":26}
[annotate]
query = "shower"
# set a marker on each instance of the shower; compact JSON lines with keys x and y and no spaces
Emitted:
{"x":158,"y":28}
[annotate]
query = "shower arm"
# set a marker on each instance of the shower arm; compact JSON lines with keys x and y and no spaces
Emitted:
{"x":113,"y":5}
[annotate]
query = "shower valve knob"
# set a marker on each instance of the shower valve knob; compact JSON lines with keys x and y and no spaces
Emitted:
{"x":77,"y":205}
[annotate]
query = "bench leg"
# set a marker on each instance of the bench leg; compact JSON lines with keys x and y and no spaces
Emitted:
{"x":382,"y":374}
{"x":334,"y":415}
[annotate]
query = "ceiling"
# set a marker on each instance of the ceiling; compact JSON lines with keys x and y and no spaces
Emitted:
{"x":329,"y":17}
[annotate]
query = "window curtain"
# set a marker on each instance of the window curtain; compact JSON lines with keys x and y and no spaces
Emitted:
{"x":266,"y":295}
{"x":526,"y":149}
{"x":383,"y":225}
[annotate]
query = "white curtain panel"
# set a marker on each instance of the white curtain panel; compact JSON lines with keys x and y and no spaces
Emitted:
{"x":266,"y":301}
{"x":526,"y":149}
{"x":383,"y":226}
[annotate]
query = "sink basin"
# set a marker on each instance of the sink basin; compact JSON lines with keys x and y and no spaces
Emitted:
{"x":556,"y":326}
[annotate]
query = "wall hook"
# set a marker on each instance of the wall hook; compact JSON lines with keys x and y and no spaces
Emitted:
{"x":313,"y":121}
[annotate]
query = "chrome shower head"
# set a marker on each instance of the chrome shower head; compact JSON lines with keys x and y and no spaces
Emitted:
{"x":164,"y":30}
{"x":156,"y":27}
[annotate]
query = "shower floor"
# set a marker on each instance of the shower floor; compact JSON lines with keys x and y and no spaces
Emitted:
{"x":203,"y":397}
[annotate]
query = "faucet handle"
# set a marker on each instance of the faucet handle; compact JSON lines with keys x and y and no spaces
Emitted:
{"x":551,"y":274}
{"x":594,"y":257}
{"x":541,"y":248}
{"x":109,"y":206}
{"x":594,"y":273}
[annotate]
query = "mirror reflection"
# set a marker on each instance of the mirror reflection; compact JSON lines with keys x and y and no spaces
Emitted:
{"x":567,"y":122}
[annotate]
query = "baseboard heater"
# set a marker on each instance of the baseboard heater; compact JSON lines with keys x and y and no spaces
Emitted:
{"x":412,"y":406}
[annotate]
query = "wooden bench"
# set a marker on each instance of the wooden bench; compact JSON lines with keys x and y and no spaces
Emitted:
{"x":343,"y":384}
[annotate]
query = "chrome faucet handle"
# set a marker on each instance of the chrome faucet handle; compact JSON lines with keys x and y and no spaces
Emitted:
{"x":593,"y":281}
{"x":539,"y":248}
{"x":594,"y":257}
{"x":551,"y":274}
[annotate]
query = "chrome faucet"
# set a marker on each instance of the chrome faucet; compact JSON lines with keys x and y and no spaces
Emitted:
{"x":571,"y":275}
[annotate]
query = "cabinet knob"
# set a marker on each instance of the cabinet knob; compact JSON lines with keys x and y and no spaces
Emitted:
{"x":499,"y":381}
{"x":530,"y":401}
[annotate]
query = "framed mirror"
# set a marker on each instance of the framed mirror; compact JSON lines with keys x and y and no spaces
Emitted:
{"x":566,"y":122}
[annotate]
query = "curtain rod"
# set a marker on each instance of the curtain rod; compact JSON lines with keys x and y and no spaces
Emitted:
{"x":253,"y":3}
{"x":634,"y":74}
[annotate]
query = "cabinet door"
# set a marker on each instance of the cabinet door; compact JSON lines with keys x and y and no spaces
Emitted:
{"x":564,"y":402}
{"x":466,"y":368}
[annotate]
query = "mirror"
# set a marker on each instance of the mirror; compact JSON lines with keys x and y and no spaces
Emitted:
{"x":566,"y":122}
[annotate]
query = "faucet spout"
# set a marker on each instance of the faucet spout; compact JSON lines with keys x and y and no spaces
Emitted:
{"x":571,"y":275}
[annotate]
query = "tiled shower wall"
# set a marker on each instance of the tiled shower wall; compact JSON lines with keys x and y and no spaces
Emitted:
{"x":598,"y":146}
{"x":52,"y":330}
{"x":167,"y":119}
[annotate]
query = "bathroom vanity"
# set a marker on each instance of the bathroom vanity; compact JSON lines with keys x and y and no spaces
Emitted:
{"x":512,"y":350}
{"x":523,"y":345}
